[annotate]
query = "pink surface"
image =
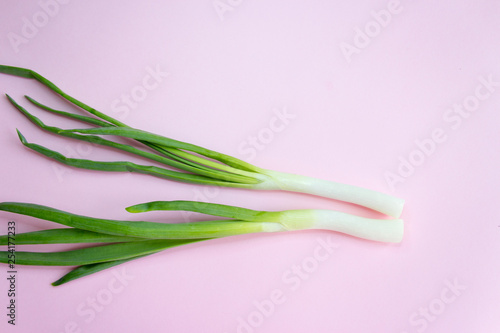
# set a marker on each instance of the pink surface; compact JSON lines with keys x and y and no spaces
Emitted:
{"x":401,"y":97}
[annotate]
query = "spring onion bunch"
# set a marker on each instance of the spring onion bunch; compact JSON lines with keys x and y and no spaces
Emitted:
{"x":183,"y":161}
{"x":129,"y":240}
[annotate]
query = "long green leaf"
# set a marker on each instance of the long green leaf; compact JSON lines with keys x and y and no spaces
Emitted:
{"x":69,"y":115}
{"x":207,"y":208}
{"x":85,"y":270}
{"x":95,"y":254}
{"x":64,"y":236}
{"x":125,"y":166}
{"x":28,"y":73}
{"x":142,"y":229}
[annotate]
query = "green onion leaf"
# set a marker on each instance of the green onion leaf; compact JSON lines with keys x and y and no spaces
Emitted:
{"x":207,"y":208}
{"x":65,"y":236}
{"x":94,"y":254}
{"x":85,"y":270}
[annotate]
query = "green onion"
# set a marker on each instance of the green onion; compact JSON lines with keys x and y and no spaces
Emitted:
{"x":196,"y":164}
{"x":131,"y":240}
{"x":242,"y":221}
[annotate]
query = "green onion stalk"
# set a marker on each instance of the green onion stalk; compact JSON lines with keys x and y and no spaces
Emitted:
{"x":123,"y":241}
{"x":183,"y":161}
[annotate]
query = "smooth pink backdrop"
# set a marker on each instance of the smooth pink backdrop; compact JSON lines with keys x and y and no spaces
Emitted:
{"x":228,"y":68}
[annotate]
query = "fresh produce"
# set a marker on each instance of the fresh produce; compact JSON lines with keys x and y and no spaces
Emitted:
{"x":122,"y":241}
{"x":128,"y":240}
{"x":185,"y":162}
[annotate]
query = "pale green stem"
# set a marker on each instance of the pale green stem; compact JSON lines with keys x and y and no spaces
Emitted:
{"x":380,"y":230}
{"x":378,"y":201}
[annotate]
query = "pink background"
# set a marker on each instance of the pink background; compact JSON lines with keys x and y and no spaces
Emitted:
{"x":353,"y":118}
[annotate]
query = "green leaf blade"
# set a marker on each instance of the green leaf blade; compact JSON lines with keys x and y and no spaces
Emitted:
{"x":85,"y":270}
{"x":206,"y":208}
{"x":92,"y":255}
{"x":64,"y":236}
